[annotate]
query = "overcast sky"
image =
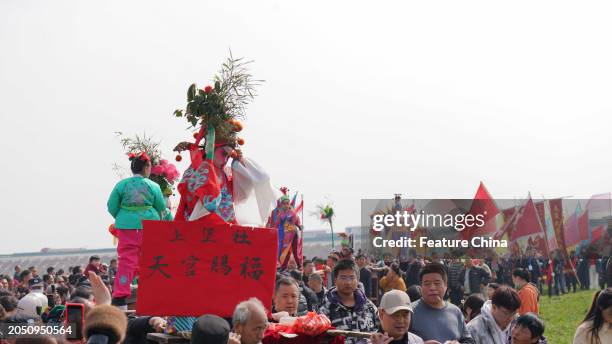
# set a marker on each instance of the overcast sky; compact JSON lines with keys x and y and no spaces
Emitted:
{"x":361,"y":100}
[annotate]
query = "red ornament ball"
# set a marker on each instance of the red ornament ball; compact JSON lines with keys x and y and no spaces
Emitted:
{"x":178,"y":157}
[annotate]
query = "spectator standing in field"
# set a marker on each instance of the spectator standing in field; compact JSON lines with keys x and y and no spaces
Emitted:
{"x":365,"y":276}
{"x":94,"y":265}
{"x":17,"y":273}
{"x":413,"y":269}
{"x":395,"y":315}
{"x":35,"y":301}
{"x":528,"y":293}
{"x":315,"y":282}
{"x":473,"y":277}
{"x":346,"y":305}
{"x":328,"y":279}
{"x":23,"y":288}
{"x":393,"y":279}
{"x":454,"y":285}
{"x":493,"y":324}
{"x":434,"y":318}
{"x":596,"y":328}
{"x":307,"y":270}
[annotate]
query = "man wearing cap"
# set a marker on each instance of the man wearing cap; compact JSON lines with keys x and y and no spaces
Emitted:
{"x":395,"y":315}
{"x":210,"y":329}
{"x":35,"y":302}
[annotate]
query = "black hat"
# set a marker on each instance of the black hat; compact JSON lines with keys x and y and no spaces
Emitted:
{"x":35,"y":281}
{"x":210,"y":329}
{"x":83,"y":282}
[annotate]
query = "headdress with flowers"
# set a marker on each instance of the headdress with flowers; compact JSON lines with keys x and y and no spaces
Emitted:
{"x":216,"y":110}
{"x":142,"y":147}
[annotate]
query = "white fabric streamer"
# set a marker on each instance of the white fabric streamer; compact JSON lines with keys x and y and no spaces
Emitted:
{"x":254,"y":196}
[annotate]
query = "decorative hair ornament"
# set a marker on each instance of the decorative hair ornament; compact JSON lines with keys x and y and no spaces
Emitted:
{"x":142,"y":156}
{"x":285,"y":196}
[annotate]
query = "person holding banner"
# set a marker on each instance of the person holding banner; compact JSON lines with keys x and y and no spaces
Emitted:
{"x":132,"y":200}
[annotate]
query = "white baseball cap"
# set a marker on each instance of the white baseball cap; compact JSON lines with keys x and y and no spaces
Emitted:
{"x":395,"y":300}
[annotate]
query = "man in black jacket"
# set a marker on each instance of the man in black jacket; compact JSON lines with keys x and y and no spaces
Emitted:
{"x":315,"y":283}
{"x":473,"y":277}
{"x":413,"y":270}
{"x":365,"y":276}
{"x":454,"y":285}
{"x":533,"y":267}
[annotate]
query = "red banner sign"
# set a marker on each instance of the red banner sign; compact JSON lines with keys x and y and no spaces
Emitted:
{"x":556,"y":213}
{"x":194,"y":268}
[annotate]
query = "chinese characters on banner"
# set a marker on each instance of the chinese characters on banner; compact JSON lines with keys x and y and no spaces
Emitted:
{"x":194,"y":268}
{"x":556,"y":213}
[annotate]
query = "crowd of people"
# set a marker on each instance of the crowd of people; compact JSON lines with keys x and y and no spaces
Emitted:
{"x":413,"y":300}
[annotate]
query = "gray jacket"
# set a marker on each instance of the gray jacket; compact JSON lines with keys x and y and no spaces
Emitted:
{"x":484,"y":330}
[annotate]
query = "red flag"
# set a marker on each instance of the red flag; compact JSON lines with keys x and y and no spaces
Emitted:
{"x":527,"y":223}
{"x":528,"y":231}
{"x":583,"y":225}
{"x":570,"y":230}
{"x":597,"y":233}
{"x":482,"y":205}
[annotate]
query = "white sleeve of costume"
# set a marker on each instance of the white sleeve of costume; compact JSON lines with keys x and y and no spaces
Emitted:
{"x":254,"y":195}
{"x":198,"y":211}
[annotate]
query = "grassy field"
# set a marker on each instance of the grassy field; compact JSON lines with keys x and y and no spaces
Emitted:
{"x":563,"y":314}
